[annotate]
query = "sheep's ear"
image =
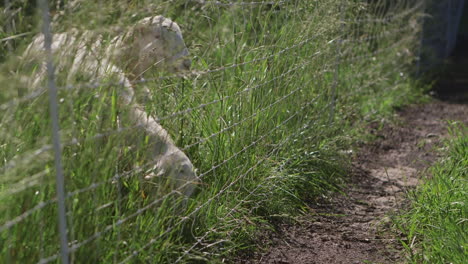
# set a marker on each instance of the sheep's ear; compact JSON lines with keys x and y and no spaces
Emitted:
{"x":148,"y":29}
{"x":140,"y":29}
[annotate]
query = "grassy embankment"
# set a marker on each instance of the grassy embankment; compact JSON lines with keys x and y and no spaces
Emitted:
{"x":436,"y":223}
{"x":261,"y":132}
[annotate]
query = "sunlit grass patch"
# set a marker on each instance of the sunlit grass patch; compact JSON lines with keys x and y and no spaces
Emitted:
{"x":436,"y":223}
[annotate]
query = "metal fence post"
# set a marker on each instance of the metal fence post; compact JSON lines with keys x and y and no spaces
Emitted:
{"x":60,"y":183}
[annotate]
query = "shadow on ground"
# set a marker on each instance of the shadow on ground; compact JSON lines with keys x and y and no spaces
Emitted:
{"x":453,"y":84}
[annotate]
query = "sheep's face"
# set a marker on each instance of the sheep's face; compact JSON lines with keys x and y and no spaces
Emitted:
{"x":177,"y":169}
{"x":160,"y":45}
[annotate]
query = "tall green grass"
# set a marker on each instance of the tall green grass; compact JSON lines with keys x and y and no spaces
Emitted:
{"x":281,"y":90}
{"x":435,"y":224}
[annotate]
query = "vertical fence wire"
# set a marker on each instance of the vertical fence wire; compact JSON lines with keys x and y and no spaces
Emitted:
{"x":339,"y":42}
{"x":54,"y":116}
{"x":421,"y":39}
{"x":8,"y":24}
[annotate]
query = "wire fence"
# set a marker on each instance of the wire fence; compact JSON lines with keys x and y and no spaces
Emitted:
{"x":269,"y":81}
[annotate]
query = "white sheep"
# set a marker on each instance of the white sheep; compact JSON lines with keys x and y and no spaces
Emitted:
{"x":154,"y":43}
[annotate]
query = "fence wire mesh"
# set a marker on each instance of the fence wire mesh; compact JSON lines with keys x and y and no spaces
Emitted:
{"x":269,"y":83}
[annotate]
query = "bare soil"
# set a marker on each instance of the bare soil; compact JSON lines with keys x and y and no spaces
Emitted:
{"x":354,"y":227}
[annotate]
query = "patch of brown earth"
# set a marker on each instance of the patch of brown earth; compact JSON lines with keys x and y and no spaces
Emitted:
{"x":353,"y":227}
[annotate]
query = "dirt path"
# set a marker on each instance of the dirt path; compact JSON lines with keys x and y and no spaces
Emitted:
{"x":352,"y":228}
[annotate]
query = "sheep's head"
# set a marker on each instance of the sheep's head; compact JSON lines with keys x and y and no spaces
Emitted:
{"x":160,"y":45}
{"x":177,"y":169}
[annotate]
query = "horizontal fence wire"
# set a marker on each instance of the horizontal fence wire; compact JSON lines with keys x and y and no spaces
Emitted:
{"x":239,"y":3}
{"x":152,"y":241}
{"x":175,"y":191}
{"x":287,"y":139}
{"x":109,"y":228}
{"x":94,"y":85}
{"x":264,"y":98}
{"x":143,"y":167}
{"x":259,"y":186}
{"x":119,"y":130}
{"x":281,"y":144}
{"x":379,"y":36}
{"x":388,"y":19}
{"x":127,"y":174}
{"x":108,"y":133}
{"x":93,"y":186}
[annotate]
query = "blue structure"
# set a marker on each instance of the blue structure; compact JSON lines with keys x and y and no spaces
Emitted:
{"x":440,"y":30}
